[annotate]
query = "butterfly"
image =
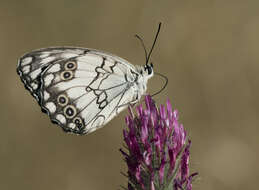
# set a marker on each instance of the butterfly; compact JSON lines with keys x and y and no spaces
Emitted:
{"x":82,"y":89}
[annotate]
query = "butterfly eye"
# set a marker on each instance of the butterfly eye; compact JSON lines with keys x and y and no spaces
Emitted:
{"x":66,"y":75}
{"x":70,"y":111}
{"x":149,"y":70}
{"x":70,"y":65}
{"x":62,"y":100}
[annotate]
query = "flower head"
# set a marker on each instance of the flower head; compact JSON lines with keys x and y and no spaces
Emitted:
{"x":157,"y":153}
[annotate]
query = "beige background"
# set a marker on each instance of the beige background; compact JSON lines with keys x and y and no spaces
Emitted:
{"x":209,"y":49}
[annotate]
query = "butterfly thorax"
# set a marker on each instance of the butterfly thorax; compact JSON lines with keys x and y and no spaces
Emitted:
{"x":141,"y":79}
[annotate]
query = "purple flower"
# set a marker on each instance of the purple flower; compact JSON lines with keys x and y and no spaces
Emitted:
{"x":157,"y":152}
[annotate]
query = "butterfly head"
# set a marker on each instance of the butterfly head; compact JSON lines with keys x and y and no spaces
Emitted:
{"x":148,"y":69}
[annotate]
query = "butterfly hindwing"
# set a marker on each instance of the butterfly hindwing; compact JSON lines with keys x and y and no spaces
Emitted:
{"x":83,"y":93}
{"x":32,"y":64}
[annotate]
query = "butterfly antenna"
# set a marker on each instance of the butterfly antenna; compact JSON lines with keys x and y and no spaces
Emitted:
{"x":158,"y":30}
{"x":143,"y":45}
{"x":166,"y":82}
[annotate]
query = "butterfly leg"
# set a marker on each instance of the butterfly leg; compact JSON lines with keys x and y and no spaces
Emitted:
{"x":131,"y":111}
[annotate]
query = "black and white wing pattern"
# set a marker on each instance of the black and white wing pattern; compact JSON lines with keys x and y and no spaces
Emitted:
{"x":82,"y":89}
{"x":32,"y":64}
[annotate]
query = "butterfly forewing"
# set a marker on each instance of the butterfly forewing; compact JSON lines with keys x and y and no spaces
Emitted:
{"x":80,"y":89}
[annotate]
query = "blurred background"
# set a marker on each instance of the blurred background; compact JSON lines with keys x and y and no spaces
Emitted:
{"x":209,"y":49}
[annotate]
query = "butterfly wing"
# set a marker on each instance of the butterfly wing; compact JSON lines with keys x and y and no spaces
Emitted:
{"x":80,"y":89}
{"x":32,"y":64}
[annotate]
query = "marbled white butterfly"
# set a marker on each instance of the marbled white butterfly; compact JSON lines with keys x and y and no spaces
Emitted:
{"x":82,"y":89}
